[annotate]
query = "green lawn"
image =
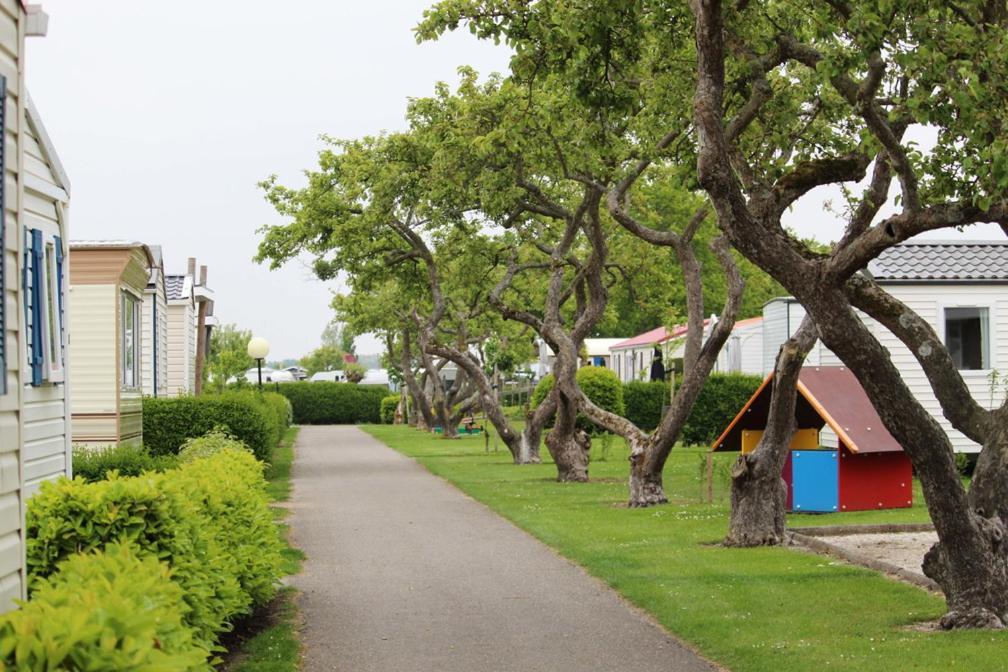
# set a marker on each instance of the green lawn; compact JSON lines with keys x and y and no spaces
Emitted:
{"x":764,"y":609}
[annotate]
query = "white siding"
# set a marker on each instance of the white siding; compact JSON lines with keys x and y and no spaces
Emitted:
{"x":781,"y":319}
{"x":929,"y":301}
{"x":151,"y":331}
{"x":181,"y":348}
{"x":11,"y":495}
{"x":749,"y":340}
{"x":46,"y":423}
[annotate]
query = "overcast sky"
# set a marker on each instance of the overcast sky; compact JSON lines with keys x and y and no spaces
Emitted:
{"x":166,"y":119}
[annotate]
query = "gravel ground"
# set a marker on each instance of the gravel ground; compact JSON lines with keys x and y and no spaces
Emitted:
{"x":903,"y":549}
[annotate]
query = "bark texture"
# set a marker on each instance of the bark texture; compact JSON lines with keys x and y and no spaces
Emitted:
{"x":758,"y":493}
{"x":969,"y":560}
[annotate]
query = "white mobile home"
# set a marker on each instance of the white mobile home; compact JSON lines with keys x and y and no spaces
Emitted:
{"x":961,"y":289}
{"x":34,"y":195}
{"x":107,"y":283}
{"x":742,"y":352}
{"x":154,"y":317}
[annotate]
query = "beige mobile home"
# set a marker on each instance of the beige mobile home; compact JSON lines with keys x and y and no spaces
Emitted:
{"x":154,"y":317}
{"x":181,"y":350}
{"x":34,"y":194}
{"x":107,"y":283}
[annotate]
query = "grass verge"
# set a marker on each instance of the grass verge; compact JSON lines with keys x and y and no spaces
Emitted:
{"x":267,"y":641}
{"x":752,"y":610}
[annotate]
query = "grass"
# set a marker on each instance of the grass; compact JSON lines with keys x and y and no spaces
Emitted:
{"x":269,"y":642}
{"x":768,"y":609}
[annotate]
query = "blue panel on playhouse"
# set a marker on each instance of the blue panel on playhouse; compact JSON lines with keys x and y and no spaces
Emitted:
{"x":814,"y":474}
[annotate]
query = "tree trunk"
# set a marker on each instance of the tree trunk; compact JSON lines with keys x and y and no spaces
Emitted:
{"x":646,"y":488}
{"x":568,"y":445}
{"x":758,"y":493}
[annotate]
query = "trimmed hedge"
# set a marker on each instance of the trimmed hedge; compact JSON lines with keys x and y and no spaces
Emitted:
{"x":257,"y":419}
{"x":388,"y":408}
{"x":599,"y":384}
{"x":103,"y":611}
{"x":644,"y":402}
{"x":722,"y":397}
{"x":325,"y":403}
{"x":95,"y":465}
{"x":208,"y":520}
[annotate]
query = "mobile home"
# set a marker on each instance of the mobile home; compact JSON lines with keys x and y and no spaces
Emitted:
{"x":107,"y":284}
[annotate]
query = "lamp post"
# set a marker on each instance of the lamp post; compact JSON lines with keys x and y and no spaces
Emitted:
{"x":258,"y":348}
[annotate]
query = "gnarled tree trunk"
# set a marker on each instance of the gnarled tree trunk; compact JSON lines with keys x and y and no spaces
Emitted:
{"x":569,"y":446}
{"x":758,"y":493}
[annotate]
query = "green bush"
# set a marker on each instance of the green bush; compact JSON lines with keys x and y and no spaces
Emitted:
{"x":95,"y":464}
{"x":599,"y":384}
{"x":250,"y":416}
{"x":230,"y":491}
{"x":103,"y":611}
{"x":211,"y":443}
{"x":722,"y":397}
{"x":208,"y":520}
{"x":644,"y":402}
{"x":388,"y":408}
{"x":325,"y":403}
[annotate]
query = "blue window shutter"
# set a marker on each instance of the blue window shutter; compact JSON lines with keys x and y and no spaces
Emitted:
{"x":38,"y":261}
{"x":28,"y":293}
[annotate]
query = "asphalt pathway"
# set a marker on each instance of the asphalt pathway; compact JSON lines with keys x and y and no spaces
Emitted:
{"x":405,"y":573}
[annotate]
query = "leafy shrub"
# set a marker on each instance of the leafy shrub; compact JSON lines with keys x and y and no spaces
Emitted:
{"x":103,"y":611}
{"x":722,"y":397}
{"x":599,"y":384}
{"x":95,"y":464}
{"x":250,"y":416}
{"x":229,"y":489}
{"x":325,"y":403}
{"x":211,"y":443}
{"x":281,"y":408}
{"x":208,"y":520}
{"x":388,"y":408}
{"x":644,"y":402}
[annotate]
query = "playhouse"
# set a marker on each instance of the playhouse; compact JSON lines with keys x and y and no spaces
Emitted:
{"x":841,"y":457}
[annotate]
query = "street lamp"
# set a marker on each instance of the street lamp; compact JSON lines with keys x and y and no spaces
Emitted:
{"x":258,"y":348}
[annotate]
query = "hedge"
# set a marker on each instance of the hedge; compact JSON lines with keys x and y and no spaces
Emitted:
{"x":644,"y":403}
{"x":389,"y":405}
{"x":258,"y":419}
{"x":720,"y":400}
{"x":722,"y":397}
{"x":95,"y":465}
{"x":325,"y":403}
{"x":110,"y":610}
{"x":599,"y":384}
{"x":208,"y":520}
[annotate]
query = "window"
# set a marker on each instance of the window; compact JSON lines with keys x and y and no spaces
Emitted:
{"x":43,"y":287}
{"x":967,"y":337}
{"x":130,"y":341}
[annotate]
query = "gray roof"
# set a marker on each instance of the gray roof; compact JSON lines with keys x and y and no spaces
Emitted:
{"x":174,"y":284}
{"x":943,"y":261}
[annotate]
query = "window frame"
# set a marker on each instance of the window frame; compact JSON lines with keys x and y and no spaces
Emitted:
{"x":52,"y":317}
{"x":991,"y":351}
{"x":128,"y":298}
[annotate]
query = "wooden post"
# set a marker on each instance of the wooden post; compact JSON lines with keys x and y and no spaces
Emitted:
{"x":710,"y":477}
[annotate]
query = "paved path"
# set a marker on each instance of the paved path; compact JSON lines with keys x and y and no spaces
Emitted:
{"x":405,"y":573}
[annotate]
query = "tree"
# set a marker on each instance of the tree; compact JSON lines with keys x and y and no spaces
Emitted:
{"x":339,"y":335}
{"x":326,"y":357}
{"x":599,"y":103}
{"x":869,"y":76}
{"x":228,"y":354}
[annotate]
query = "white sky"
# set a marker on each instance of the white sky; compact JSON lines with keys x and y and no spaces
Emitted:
{"x":166,"y":116}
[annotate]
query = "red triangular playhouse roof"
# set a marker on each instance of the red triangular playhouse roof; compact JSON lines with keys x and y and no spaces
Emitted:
{"x":827,"y":395}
